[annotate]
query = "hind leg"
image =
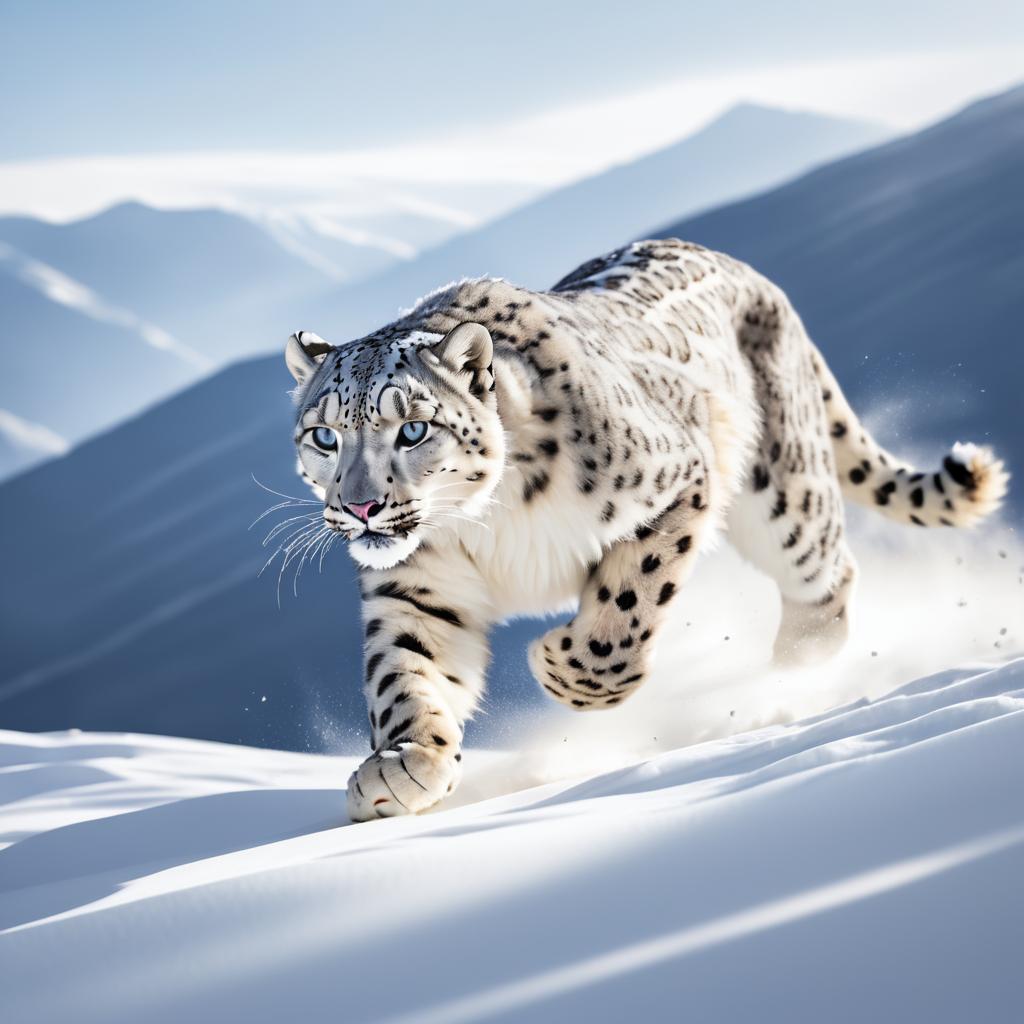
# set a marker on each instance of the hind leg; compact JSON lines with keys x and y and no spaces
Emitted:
{"x":788,"y":519}
{"x":803,"y":550}
{"x":794,"y":533}
{"x":814,"y":631}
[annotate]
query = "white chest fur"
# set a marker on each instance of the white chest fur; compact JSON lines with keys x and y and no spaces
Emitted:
{"x":534,"y":556}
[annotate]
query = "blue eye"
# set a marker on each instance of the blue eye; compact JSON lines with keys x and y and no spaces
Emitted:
{"x":412,"y":433}
{"x":325,"y":438}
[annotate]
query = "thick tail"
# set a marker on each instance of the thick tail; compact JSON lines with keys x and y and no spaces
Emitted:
{"x":970,"y":485}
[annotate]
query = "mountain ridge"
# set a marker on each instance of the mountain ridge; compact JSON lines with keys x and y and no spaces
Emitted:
{"x":226,"y":285}
{"x":920,"y":238}
{"x":172,"y":550}
{"x":539,"y":242}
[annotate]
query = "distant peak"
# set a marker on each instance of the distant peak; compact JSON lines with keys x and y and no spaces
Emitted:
{"x":747,"y":109}
{"x":133,"y":211}
{"x":747,"y":113}
{"x":129,"y":208}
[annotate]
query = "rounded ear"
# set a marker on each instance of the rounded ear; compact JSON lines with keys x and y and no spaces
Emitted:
{"x":304,"y":352}
{"x":466,"y":348}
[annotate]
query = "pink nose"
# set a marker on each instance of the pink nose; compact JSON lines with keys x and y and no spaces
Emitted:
{"x":364,"y":509}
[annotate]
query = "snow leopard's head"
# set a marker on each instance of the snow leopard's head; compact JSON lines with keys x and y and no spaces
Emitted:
{"x":398,"y":434}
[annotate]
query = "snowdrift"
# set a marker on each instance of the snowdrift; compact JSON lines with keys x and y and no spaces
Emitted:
{"x":860,"y":864}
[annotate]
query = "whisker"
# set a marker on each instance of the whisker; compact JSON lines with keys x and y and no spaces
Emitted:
{"x":286,"y":561}
{"x":321,"y":544}
{"x":446,"y":506}
{"x":460,"y":483}
{"x":448,"y":486}
{"x":460,"y":519}
{"x":285,"y":545}
{"x":327,"y":547}
{"x":274,"y":508}
{"x":309,"y":547}
{"x":292,"y":551}
{"x":281,"y":494}
{"x":289,"y":537}
{"x":285,"y":523}
{"x":298,"y":534}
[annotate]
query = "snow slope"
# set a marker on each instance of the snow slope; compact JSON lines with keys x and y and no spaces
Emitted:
{"x":66,"y":352}
{"x":104,"y":316}
{"x":187,"y":270}
{"x":23,"y":443}
{"x":213,"y":284}
{"x":861,"y":864}
{"x":746,"y":150}
{"x":905,"y":263}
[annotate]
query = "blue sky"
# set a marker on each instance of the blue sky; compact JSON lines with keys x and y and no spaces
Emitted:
{"x":117,"y":77}
{"x":456,"y":110}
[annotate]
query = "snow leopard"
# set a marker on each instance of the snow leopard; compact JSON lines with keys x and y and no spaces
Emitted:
{"x":499,"y":452}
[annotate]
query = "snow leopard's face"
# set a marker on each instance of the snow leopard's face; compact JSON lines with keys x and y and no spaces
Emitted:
{"x":397,"y":435}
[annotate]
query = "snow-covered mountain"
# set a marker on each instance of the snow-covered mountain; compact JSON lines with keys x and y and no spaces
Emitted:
{"x":746,"y":150}
{"x":161,"y":624}
{"x":861,"y":864}
{"x":104,"y":316}
{"x":331,"y":246}
{"x":73,"y":362}
{"x":207,"y":277}
{"x":212,"y":285}
{"x":906,"y":262}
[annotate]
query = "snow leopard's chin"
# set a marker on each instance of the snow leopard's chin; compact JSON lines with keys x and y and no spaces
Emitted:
{"x":375,"y":551}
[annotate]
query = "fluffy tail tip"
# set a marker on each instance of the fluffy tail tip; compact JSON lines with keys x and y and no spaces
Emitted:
{"x":983,"y":478}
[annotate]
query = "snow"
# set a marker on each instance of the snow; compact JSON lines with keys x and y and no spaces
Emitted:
{"x":62,"y":289}
{"x":31,"y":437}
{"x":736,"y":842}
{"x":24,"y":443}
{"x":864,"y":862}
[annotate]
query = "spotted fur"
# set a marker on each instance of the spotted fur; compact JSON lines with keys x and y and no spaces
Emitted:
{"x":583,"y":445}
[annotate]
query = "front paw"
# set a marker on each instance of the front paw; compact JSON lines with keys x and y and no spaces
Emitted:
{"x":588,"y":672}
{"x":405,"y":779}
